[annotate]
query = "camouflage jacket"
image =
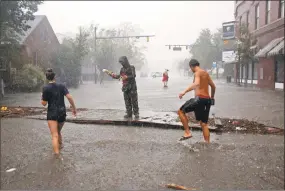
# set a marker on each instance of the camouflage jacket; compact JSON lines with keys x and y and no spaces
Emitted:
{"x":130,"y":83}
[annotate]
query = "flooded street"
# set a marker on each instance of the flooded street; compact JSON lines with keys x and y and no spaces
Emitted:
{"x":231,"y":101}
{"x":130,"y":158}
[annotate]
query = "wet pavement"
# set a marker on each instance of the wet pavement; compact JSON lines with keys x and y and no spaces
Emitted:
{"x":127,"y":158}
{"x":231,"y":101}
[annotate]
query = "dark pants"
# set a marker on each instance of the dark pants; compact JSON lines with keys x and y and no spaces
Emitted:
{"x":200,"y":106}
{"x":131,"y":102}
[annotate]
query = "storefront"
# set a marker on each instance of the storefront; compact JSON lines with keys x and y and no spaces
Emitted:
{"x":271,"y":65}
{"x":278,"y":54}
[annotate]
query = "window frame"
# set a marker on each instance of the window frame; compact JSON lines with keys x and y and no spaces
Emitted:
{"x":281,"y":9}
{"x":267,"y":11}
{"x":256,"y":17}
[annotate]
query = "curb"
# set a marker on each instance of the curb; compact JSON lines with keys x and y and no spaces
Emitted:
{"x":133,"y":123}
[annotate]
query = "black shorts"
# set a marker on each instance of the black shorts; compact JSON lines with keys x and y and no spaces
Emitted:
{"x":200,"y":106}
{"x":59,"y":118}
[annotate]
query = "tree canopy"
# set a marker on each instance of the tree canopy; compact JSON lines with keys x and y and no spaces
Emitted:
{"x":208,"y":48}
{"x":13,"y":18}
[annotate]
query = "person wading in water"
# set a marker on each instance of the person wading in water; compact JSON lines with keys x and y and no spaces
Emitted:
{"x":201,"y":103}
{"x":165,"y":78}
{"x":53,"y":95}
{"x":128,"y":75}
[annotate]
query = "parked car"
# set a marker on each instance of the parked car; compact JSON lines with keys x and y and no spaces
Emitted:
{"x":156,"y":74}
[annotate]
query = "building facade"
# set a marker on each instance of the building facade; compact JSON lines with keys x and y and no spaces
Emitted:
{"x":39,"y":42}
{"x":265,"y":21}
{"x":36,"y":46}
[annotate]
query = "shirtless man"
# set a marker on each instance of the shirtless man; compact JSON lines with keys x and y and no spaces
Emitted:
{"x":201,"y":103}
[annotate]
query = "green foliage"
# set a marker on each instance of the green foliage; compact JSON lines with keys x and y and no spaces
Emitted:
{"x":13,"y":17}
{"x":208,"y":48}
{"x":245,"y":41}
{"x":29,"y":78}
{"x":108,"y":51}
{"x":69,"y":57}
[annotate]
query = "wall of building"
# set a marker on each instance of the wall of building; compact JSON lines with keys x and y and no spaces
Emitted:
{"x":43,"y":41}
{"x":266,"y":78}
{"x":264,"y":34}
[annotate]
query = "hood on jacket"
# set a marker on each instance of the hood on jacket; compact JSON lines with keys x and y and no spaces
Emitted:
{"x":124,"y":61}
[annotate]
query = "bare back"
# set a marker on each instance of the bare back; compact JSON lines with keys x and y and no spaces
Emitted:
{"x":203,"y":89}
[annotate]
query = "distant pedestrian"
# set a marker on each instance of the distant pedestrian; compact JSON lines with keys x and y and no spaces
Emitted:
{"x":165,"y":78}
{"x":201,"y":104}
{"x":53,"y":95}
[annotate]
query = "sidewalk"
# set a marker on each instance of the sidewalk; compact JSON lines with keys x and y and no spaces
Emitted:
{"x":165,"y":120}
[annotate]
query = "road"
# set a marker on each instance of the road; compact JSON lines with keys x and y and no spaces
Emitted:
{"x":231,"y":101}
{"x":129,"y":158}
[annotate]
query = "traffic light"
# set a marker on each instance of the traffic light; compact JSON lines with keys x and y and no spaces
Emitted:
{"x":147,"y":39}
{"x":169,"y":47}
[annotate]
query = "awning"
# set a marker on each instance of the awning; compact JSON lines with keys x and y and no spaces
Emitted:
{"x":277,"y":49}
{"x":263,"y":52}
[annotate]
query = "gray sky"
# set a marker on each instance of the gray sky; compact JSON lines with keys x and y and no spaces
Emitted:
{"x":173,"y":22}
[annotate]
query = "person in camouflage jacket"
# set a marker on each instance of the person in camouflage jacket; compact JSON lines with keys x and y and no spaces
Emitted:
{"x":129,"y":88}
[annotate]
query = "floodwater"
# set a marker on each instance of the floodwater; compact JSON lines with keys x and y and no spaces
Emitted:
{"x":131,"y":158}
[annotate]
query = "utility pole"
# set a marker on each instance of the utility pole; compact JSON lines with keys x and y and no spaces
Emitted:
{"x":114,"y":37}
{"x":95,"y":38}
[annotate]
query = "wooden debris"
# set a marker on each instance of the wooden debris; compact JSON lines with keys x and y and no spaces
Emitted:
{"x":178,"y":187}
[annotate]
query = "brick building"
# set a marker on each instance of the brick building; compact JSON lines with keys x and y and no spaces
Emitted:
{"x":265,"y":20}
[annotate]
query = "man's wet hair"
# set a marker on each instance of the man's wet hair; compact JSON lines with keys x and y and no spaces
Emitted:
{"x":194,"y":62}
{"x":50,"y":74}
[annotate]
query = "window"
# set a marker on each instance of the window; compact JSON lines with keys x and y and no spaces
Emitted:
{"x":261,"y":73}
{"x":267,"y":13}
{"x":247,"y":19}
{"x":281,"y":8}
{"x":256,"y":16}
{"x":279,"y":69}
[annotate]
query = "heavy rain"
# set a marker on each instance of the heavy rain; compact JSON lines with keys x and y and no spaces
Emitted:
{"x":139,"y":95}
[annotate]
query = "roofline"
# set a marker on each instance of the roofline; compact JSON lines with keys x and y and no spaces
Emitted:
{"x":52,"y":30}
{"x":26,"y":37}
{"x":44,"y":17}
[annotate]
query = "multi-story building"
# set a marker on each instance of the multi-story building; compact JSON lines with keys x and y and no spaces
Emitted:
{"x":265,"y":21}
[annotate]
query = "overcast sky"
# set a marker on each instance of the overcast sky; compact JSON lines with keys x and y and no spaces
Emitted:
{"x":172,"y":22}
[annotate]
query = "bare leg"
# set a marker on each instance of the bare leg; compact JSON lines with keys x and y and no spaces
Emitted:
{"x":185,"y":124}
{"x":206,"y":132}
{"x":60,"y":125}
{"x":53,"y":126}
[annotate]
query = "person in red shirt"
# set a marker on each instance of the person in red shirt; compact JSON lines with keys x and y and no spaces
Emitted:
{"x":165,"y":78}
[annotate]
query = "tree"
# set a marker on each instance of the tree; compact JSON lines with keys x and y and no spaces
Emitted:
{"x":217,"y":42}
{"x":13,"y":18}
{"x":70,"y":55}
{"x":244,"y":53}
{"x":108,"y":51}
{"x":203,"y":49}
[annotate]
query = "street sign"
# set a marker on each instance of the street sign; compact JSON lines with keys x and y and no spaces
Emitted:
{"x":214,"y":64}
{"x":228,"y":56}
{"x":176,"y":48}
{"x":229,"y":30}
